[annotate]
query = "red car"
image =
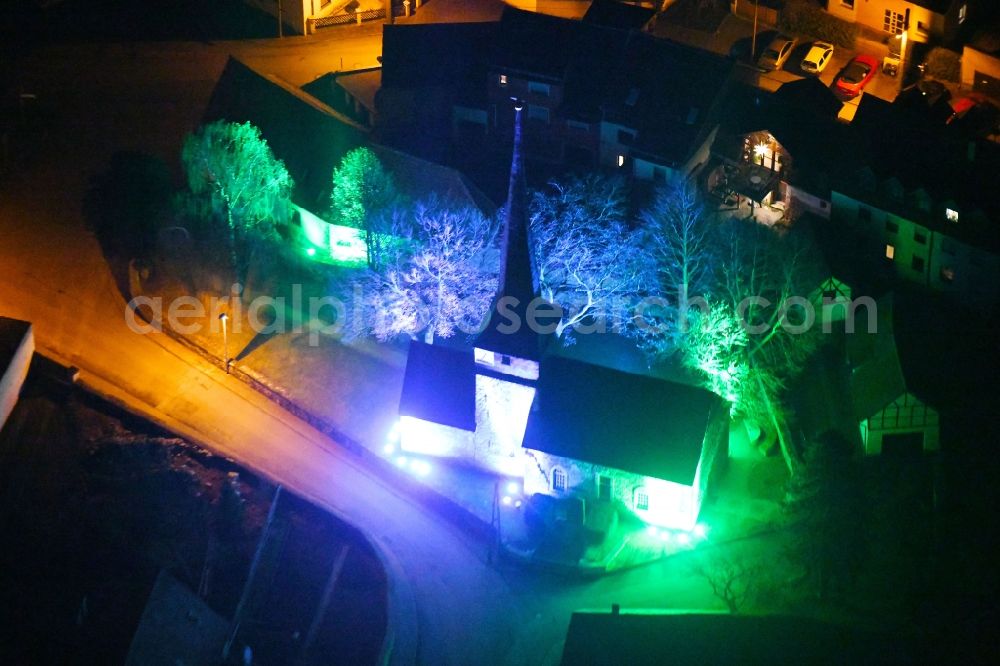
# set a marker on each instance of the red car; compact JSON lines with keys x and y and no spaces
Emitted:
{"x":853,"y":79}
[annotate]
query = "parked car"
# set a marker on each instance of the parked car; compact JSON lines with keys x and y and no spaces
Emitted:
{"x":963,"y":105}
{"x":818,"y":57}
{"x":776,"y":54}
{"x":853,"y":79}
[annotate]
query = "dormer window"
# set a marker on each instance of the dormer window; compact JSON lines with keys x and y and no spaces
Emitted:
{"x":951,"y":214}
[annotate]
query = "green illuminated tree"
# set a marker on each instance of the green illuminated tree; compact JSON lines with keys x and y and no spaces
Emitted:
{"x":589,"y":262}
{"x":364,"y":196}
{"x":247,"y":185}
{"x":433,"y":280}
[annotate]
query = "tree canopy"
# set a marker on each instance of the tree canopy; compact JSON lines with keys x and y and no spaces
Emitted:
{"x":363,"y":196}
{"x":248,"y":186}
{"x":589,"y":262}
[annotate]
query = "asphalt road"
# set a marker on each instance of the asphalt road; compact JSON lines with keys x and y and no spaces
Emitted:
{"x":99,"y":99}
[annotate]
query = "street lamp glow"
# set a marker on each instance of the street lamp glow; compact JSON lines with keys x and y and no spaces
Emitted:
{"x":420,"y":467}
{"x":389,"y":449}
{"x":401,"y":461}
{"x":506,"y":500}
{"x":700,"y":531}
{"x":513,"y":488}
{"x":683,"y":538}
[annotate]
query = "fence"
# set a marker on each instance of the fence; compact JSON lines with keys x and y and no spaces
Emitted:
{"x":344,"y":19}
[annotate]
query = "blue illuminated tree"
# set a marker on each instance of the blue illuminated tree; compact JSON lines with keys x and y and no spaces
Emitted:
{"x":588,"y":260}
{"x":435,"y":279}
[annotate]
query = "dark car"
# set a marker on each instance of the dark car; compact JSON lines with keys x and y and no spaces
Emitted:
{"x":853,"y":79}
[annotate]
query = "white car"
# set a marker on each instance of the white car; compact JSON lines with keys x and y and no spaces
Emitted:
{"x":819,"y":56}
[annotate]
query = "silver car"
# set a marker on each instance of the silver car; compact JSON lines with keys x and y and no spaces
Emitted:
{"x":776,"y":54}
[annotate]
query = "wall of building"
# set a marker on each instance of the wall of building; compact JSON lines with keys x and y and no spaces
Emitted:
{"x":807,"y":202}
{"x":294,"y":12}
{"x":12,"y":377}
{"x":905,"y":415}
{"x":434,"y":439}
{"x":871,"y":13}
{"x":671,"y":505}
{"x":974,"y":61}
{"x":922,"y":255}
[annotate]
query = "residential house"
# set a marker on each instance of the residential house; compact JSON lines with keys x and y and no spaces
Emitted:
{"x":981,"y":72}
{"x":894,"y":415}
{"x":594,"y":94}
{"x":17,"y":346}
{"x":781,"y":149}
{"x":922,"y":20}
{"x":563,"y":426}
{"x":924,"y":201}
{"x":298,"y":16}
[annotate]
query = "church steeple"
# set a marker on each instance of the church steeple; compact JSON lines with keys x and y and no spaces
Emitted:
{"x":508,"y":332}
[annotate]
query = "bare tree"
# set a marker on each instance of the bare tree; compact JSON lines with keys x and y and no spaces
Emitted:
{"x":589,"y":262}
{"x":435,"y":279}
{"x":735,"y":578}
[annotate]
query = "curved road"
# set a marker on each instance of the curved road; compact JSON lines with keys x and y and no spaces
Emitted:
{"x":52,"y":272}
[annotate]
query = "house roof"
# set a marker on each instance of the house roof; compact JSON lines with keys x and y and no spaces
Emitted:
{"x":535,"y":43}
{"x":439,"y":386}
{"x":629,"y":422}
{"x":591,"y":69}
{"x":684,"y":637}
{"x":451,"y":55}
{"x":614,"y":14}
{"x":667,"y":92}
{"x":939,"y":352}
{"x":947,"y":167}
{"x":294,"y":124}
{"x":416,"y":178}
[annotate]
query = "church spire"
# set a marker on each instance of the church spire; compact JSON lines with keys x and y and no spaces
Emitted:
{"x":508,"y":332}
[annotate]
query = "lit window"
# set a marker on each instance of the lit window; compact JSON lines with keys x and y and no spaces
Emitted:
{"x":962,"y":11}
{"x":890,"y":252}
{"x":641,"y":500}
{"x":503,"y":79}
{"x":947,"y":274}
{"x":951,"y":214}
{"x":621,"y":160}
{"x":558,"y":480}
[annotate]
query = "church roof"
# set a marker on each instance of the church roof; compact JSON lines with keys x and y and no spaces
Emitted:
{"x":629,"y":422}
{"x":440,"y":386}
{"x":507,"y":331}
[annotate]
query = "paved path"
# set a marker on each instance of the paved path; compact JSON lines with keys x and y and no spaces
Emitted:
{"x":52,"y":272}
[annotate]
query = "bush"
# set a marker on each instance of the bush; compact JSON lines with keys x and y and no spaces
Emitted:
{"x":799,"y":16}
{"x":944,"y":64}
